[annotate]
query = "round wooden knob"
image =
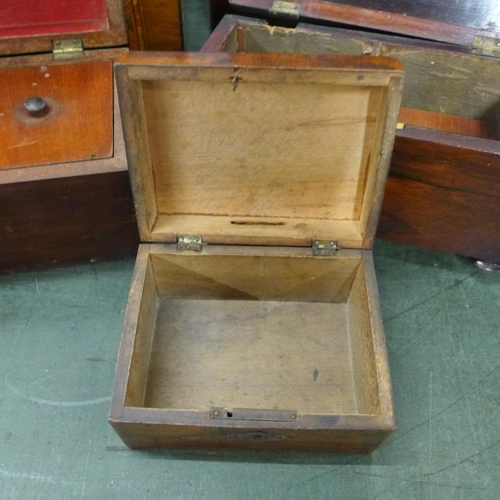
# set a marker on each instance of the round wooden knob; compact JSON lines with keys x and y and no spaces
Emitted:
{"x":36,"y":106}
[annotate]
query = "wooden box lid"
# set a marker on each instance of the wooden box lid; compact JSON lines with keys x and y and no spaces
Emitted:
{"x":473,"y":24}
{"x":265,"y":149}
{"x":30,"y":26}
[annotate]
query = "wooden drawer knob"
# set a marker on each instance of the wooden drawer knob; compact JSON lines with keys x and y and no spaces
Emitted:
{"x":36,"y":106}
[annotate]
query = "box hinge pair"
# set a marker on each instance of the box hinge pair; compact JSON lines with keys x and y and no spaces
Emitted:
{"x":71,"y":48}
{"x":189,"y":243}
{"x":486,"y":46}
{"x":284,"y":9}
{"x":324,"y":248}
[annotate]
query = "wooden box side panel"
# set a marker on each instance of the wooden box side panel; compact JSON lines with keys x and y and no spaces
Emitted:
{"x":443,"y":197}
{"x":137,"y":148}
{"x":380,"y":160}
{"x":218,"y":275}
{"x":360,"y":328}
{"x":139,"y":435}
{"x":139,"y":364}
{"x":369,"y":351}
{"x":135,"y":346}
{"x":66,"y":220}
{"x":450,"y":83}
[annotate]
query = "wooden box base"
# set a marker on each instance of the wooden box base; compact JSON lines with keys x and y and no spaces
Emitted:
{"x":262,"y":348}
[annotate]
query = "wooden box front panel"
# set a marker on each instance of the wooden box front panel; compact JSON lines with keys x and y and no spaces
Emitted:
{"x":259,"y":329}
{"x":78,"y":124}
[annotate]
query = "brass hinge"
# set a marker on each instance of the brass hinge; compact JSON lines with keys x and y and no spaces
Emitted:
{"x":190,"y":243}
{"x":283,"y":8}
{"x":323,"y":248}
{"x":486,"y":46}
{"x":67,"y":49}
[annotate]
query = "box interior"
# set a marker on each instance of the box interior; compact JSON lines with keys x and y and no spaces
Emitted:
{"x":262,"y":156}
{"x":455,"y":91}
{"x":258,"y":332}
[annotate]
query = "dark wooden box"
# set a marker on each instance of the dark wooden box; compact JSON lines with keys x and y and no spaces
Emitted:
{"x":64,"y":189}
{"x":442,"y":191}
{"x":253,"y":318}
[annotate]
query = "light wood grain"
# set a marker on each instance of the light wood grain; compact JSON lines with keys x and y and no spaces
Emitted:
{"x":360,"y":328}
{"x":254,"y":277}
{"x":251,"y":354}
{"x":247,"y":148}
{"x":285,"y":151}
{"x":147,"y":317}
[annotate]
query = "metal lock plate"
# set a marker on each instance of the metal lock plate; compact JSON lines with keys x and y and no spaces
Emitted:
{"x":251,"y":414}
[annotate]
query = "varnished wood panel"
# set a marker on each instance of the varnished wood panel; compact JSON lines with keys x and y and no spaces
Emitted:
{"x":154,"y":24}
{"x":479,"y":14}
{"x":443,"y":197}
{"x":66,"y":220}
{"x":444,"y":122}
{"x":78,"y":124}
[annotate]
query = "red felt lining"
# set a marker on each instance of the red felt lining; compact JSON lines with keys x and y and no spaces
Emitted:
{"x":45,"y":17}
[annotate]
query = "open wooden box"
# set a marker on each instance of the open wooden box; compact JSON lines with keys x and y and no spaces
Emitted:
{"x":442,"y":191}
{"x":270,"y":336}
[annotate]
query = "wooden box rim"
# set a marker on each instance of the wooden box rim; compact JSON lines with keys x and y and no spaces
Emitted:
{"x":115,"y":35}
{"x":134,"y":68}
{"x":376,"y":19}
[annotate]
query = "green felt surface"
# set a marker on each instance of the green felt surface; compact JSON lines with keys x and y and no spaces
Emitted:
{"x":59,"y":335}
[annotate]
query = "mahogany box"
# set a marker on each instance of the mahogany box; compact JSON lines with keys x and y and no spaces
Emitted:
{"x":253,"y":318}
{"x":443,"y":188}
{"x":64,"y":189}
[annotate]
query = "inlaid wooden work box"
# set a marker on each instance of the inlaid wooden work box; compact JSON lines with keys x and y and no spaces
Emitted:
{"x":442,"y":191}
{"x":64,"y":189}
{"x":253,"y":318}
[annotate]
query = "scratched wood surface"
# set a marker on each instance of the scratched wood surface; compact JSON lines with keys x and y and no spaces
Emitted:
{"x":78,"y":124}
{"x":59,"y":336}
